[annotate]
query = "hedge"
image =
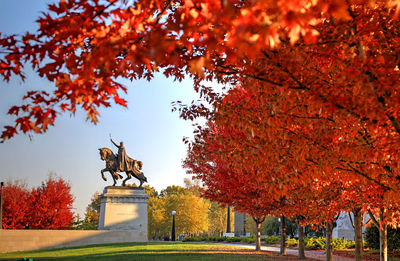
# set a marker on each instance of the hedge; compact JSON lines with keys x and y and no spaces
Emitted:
{"x":250,"y":239}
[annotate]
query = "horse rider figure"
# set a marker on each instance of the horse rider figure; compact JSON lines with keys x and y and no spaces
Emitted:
{"x":121,"y":163}
{"x":123,"y":159}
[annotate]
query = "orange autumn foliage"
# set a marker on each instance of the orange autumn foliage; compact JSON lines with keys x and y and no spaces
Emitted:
{"x":333,"y":64}
{"x":83,"y":47}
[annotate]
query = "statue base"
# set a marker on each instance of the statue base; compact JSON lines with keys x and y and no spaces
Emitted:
{"x":124,"y":208}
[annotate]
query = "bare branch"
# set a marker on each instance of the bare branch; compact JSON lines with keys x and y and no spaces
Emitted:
{"x":351,"y":220}
{"x":373,"y":219}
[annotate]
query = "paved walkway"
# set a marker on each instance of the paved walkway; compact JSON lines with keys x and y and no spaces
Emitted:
{"x":315,"y":254}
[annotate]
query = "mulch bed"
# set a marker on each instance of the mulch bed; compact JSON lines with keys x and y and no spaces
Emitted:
{"x":249,"y":252}
{"x":368,"y":255}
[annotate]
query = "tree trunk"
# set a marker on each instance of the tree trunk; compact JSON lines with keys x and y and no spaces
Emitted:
{"x":301,"y":242}
{"x":383,"y":248}
{"x":358,"y":225}
{"x":383,"y":243}
{"x":282,"y":251}
{"x":258,"y":236}
{"x":329,"y":228}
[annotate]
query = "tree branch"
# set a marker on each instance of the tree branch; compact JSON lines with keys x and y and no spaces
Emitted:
{"x":371,"y":78}
{"x":351,"y":220}
{"x":373,"y":219}
{"x":352,"y":169}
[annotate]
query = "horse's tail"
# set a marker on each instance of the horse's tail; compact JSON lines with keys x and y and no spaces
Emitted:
{"x":141,"y":176}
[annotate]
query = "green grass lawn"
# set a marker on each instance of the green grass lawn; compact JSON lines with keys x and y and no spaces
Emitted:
{"x":148,"y":251}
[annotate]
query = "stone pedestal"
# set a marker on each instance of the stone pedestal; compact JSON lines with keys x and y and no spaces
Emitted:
{"x":124,"y":208}
{"x":240,"y":221}
{"x":344,"y":229}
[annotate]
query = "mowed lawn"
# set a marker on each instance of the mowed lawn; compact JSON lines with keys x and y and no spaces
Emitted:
{"x":148,"y":251}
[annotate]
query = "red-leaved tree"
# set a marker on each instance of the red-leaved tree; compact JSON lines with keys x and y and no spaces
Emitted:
{"x":47,"y":207}
{"x":16,"y":205}
{"x":51,"y":205}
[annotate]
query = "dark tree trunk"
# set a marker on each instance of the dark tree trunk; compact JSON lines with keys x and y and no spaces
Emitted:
{"x":358,"y":225}
{"x":258,"y":236}
{"x":282,"y":251}
{"x":329,"y":228}
{"x":301,"y":242}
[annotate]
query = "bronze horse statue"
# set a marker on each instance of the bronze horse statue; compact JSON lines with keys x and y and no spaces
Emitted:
{"x":112,"y":166}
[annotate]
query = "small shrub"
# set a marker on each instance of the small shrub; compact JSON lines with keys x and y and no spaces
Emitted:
{"x":220,"y":239}
{"x":194,"y":239}
{"x":292,"y":242}
{"x":319,"y":243}
{"x":186,"y":239}
{"x":312,"y":243}
{"x":342,"y":244}
{"x":249,"y":240}
{"x":272,"y":240}
{"x":352,"y":244}
{"x":233,"y":239}
{"x":212,"y":238}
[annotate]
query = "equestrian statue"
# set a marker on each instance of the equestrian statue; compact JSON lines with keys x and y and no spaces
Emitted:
{"x":121,"y":163}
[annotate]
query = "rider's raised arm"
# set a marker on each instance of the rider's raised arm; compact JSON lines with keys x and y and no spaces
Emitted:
{"x":115,"y":144}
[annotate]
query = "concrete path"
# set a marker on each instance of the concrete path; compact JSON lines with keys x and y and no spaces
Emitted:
{"x":315,"y":254}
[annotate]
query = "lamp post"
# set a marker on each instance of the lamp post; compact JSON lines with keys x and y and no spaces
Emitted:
{"x":173,"y":225}
{"x":228,"y":221}
{"x":1,"y":204}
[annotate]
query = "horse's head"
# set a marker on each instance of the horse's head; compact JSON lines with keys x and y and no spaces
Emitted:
{"x":103,"y":153}
{"x":140,"y":164}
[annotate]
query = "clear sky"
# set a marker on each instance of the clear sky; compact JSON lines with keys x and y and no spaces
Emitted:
{"x":150,"y":131}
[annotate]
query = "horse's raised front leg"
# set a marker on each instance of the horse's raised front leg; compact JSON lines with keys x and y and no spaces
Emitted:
{"x":141,"y":183}
{"x":102,"y":174}
{"x":128,"y":176}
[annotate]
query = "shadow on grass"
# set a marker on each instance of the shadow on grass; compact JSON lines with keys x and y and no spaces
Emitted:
{"x":148,"y":251}
{"x":166,"y":255}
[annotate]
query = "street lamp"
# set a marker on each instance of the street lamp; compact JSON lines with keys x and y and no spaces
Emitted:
{"x":173,"y":225}
{"x":1,"y":204}
{"x":279,"y":226}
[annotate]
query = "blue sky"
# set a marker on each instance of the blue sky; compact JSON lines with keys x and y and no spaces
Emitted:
{"x":150,"y":131}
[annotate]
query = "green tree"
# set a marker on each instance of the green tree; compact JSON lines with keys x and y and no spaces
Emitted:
{"x":91,"y":220}
{"x":250,"y":225}
{"x":217,"y":219}
{"x":271,"y":226}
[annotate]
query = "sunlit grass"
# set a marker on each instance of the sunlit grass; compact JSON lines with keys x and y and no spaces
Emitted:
{"x":146,"y":251}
